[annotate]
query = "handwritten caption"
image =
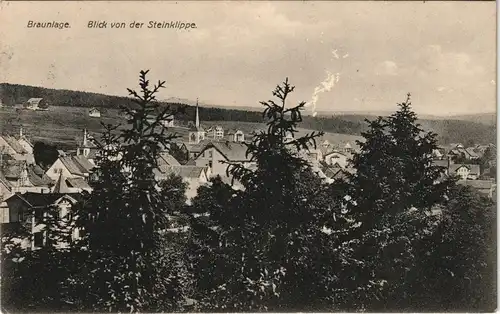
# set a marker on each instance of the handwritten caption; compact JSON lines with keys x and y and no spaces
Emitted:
{"x":100,"y":24}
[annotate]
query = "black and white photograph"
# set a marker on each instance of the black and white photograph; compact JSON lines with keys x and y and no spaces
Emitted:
{"x":248,"y":156}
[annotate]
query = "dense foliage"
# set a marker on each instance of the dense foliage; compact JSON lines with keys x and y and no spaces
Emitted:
{"x":396,"y":234}
{"x":45,"y":154}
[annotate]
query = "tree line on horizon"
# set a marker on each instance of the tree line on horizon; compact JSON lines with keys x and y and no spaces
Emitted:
{"x":450,"y":131}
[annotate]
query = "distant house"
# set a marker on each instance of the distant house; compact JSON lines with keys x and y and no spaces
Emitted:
{"x":485,"y":187}
{"x":348,"y":148}
{"x":87,"y":147}
{"x":465,"y":171}
{"x":215,"y":132}
{"x":94,"y":112}
{"x":338,"y":158}
{"x":470,"y":154}
{"x":438,"y":154}
{"x":168,"y":121}
{"x":35,"y":103}
{"x":29,"y":209}
{"x":194,"y":176}
{"x":314,"y":155}
{"x":236,"y":136}
{"x":194,"y":149}
{"x":216,"y":154}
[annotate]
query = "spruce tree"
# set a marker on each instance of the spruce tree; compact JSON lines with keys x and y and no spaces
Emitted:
{"x":264,"y":248}
{"x":395,"y":191}
{"x":126,"y":217}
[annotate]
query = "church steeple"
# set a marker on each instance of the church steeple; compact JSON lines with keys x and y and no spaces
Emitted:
{"x":197,"y":121}
{"x":197,"y":133}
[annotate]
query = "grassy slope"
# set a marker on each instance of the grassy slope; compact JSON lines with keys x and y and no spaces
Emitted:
{"x":63,"y":126}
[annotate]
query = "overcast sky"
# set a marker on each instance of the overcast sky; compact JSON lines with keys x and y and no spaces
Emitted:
{"x":441,"y":52}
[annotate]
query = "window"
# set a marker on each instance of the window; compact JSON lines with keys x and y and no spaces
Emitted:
{"x":210,"y":163}
{"x":20,"y":216}
{"x":38,"y":215}
{"x":38,"y":239}
{"x":210,"y":154}
{"x":56,"y":170}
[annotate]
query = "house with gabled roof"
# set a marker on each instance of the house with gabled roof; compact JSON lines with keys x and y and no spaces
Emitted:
{"x":215,"y":155}
{"x":337,"y":158}
{"x":485,"y":187}
{"x":88,"y":147}
{"x":235,"y":135}
{"x":28,"y":210}
{"x":71,"y":167}
{"x":471,"y":154}
{"x":194,"y":176}
{"x":94,"y":112}
{"x":465,"y":171}
{"x":18,"y":149}
{"x":23,"y":177}
{"x":194,"y":149}
{"x":34,"y":103}
{"x":71,"y":185}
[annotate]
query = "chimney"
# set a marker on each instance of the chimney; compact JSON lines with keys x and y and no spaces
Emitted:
{"x":21,"y":132}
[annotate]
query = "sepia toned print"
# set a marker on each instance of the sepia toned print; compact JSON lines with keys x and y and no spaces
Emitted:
{"x":248,"y":156}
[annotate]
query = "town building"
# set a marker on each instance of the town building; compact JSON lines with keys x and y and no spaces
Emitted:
{"x":485,"y":187}
{"x":18,"y":176}
{"x":87,"y":147}
{"x":465,"y":171}
{"x":94,"y":113}
{"x":196,"y":132}
{"x":236,"y":136}
{"x":71,"y":167}
{"x":217,"y":155}
{"x":17,"y":148}
{"x":340,"y":159}
{"x":27,"y":211}
{"x":194,"y":176}
{"x":35,"y":103}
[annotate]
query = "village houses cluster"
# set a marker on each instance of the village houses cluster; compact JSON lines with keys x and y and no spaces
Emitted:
{"x":25,"y":188}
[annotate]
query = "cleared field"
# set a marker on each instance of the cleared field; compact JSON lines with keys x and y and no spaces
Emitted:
{"x":63,"y":126}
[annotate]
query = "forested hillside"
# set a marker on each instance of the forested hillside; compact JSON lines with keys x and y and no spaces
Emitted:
{"x":450,"y":131}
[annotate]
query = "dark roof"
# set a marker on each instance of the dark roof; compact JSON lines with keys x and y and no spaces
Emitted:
{"x":12,"y":169}
{"x":77,"y":183}
{"x":165,"y":159}
{"x":40,"y":200}
{"x":184,"y":171}
{"x":78,"y":165}
{"x":477,"y":184}
{"x":18,"y":148}
{"x":441,"y":163}
{"x":196,"y":148}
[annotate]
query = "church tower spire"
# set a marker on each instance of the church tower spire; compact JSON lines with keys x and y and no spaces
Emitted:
{"x":197,"y":121}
